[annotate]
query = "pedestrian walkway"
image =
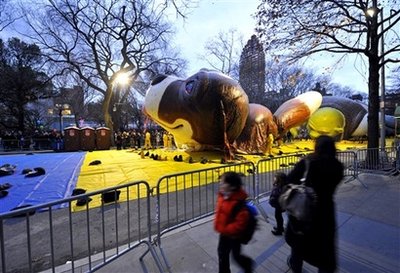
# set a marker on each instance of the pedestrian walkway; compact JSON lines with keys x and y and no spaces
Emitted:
{"x":368,"y":237}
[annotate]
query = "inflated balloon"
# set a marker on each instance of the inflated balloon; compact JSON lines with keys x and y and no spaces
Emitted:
{"x":326,"y":121}
{"x":210,"y":110}
{"x":343,"y":118}
{"x":199,"y":111}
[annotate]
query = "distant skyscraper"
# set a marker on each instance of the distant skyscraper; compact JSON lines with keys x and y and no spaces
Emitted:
{"x":252,"y":70}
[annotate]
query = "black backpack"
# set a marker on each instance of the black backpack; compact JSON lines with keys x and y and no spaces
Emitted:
{"x":274,"y":197}
{"x":251,"y":226}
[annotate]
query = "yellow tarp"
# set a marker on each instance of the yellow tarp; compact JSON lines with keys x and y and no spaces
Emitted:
{"x":122,"y":166}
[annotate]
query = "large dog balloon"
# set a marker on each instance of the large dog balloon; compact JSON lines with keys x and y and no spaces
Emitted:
{"x":210,"y":110}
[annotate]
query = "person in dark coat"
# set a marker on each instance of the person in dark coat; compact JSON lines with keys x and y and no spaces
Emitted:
{"x":318,"y":246}
{"x":279,"y":182}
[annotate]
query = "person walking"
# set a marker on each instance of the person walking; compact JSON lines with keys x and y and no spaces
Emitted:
{"x":230,"y":225}
{"x":317,"y":246}
{"x":279,"y":182}
{"x":147,"y":139}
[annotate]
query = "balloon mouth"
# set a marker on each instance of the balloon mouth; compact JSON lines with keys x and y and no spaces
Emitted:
{"x":176,"y":127}
{"x":169,"y":128}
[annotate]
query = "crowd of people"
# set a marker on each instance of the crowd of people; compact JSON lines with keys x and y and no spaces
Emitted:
{"x":147,"y":139}
{"x":53,"y":140}
{"x":37,"y":140}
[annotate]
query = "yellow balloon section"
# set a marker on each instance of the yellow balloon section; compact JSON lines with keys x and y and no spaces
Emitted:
{"x":326,"y":121}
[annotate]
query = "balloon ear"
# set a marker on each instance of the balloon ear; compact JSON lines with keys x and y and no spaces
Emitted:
{"x":158,"y":79}
{"x":296,"y":111}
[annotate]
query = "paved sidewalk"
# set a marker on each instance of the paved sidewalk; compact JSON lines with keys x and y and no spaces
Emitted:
{"x":369,"y":237}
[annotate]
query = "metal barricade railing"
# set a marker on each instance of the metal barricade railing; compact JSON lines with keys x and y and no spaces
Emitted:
{"x":11,"y":144}
{"x":28,"y":144}
{"x":113,"y":229}
{"x":79,"y":241}
{"x":267,"y":168}
{"x":187,"y":197}
{"x":349,"y":161}
{"x":377,"y":160}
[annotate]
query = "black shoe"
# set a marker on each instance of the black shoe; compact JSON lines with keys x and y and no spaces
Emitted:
{"x":277,"y":232}
{"x":5,"y":186}
{"x":3,"y":193}
{"x":290,"y":265}
{"x":281,"y":229}
{"x":288,"y":262}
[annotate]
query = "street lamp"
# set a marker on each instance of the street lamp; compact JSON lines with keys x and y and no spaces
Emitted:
{"x":63,"y":109}
{"x":115,"y":106}
{"x":121,"y":79}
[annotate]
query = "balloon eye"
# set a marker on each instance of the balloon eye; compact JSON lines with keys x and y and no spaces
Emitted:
{"x":189,"y":87}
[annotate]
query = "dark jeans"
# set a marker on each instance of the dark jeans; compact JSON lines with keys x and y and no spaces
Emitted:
{"x":279,"y":219}
{"x":225,"y":246}
{"x":296,"y":263}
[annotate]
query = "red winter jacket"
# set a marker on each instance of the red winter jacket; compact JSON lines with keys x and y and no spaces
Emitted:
{"x":223,"y":222}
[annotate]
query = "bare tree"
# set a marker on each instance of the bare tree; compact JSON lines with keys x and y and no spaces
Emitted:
{"x":7,"y":14}
{"x":222,"y":52}
{"x":338,"y":90}
{"x":304,"y":27}
{"x":284,"y":81}
{"x":101,"y":39}
{"x":395,"y":85}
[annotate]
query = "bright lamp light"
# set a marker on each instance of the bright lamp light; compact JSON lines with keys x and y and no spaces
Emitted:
{"x":371,"y":12}
{"x":122,"y":78}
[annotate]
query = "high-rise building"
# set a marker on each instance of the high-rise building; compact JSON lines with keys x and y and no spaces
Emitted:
{"x":252,"y":70}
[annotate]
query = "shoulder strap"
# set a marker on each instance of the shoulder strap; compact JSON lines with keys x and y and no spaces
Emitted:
{"x":238,"y":206}
{"x":306,"y":168}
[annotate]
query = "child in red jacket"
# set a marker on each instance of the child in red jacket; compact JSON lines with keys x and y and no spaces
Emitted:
{"x":230,"y":228}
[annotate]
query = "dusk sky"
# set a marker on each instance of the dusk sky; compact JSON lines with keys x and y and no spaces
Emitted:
{"x":213,"y":16}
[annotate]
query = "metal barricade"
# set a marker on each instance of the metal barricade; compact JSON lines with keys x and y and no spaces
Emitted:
{"x":91,"y":238}
{"x":349,"y":161}
{"x":11,"y":145}
{"x":62,"y":240}
{"x":377,"y":160}
{"x":29,"y":144}
{"x":267,"y":168}
{"x":187,"y":197}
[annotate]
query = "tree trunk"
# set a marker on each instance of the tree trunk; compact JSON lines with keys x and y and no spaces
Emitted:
{"x":373,"y":104}
{"x":21,"y":118}
{"x":106,"y":112}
